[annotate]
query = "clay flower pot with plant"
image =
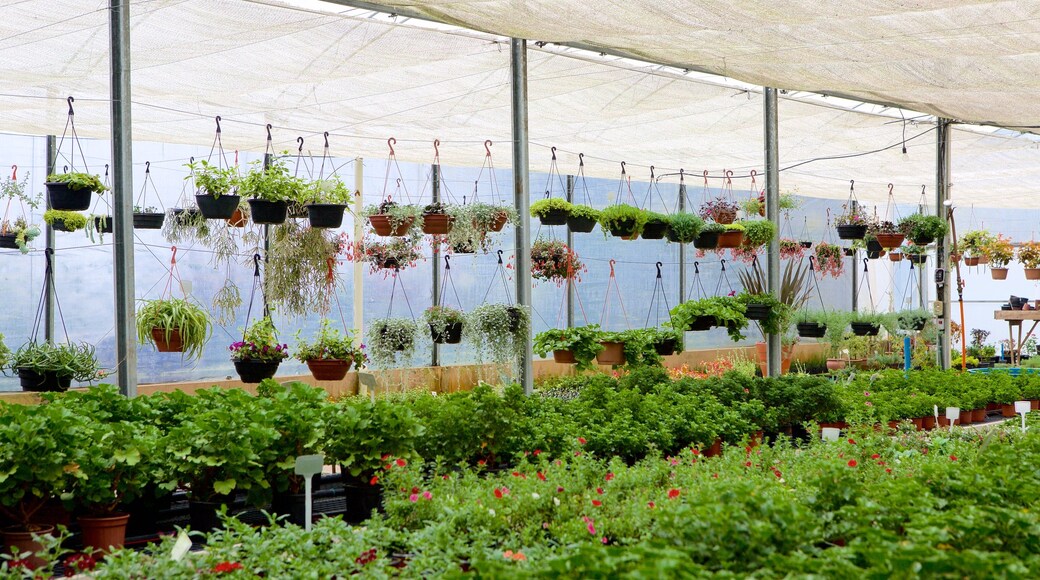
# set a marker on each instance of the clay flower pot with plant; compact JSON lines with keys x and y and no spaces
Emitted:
{"x":887,"y":234}
{"x":43,"y":366}
{"x":683,"y":227}
{"x":551,"y":211}
{"x":577,"y":346}
{"x":719,"y":210}
{"x":446,"y":324}
{"x":756,"y":205}
{"x":971,"y":244}
{"x":391,"y":340}
{"x":998,"y":252}
{"x":393,"y":219}
{"x":732,"y":236}
{"x":327,"y":201}
{"x":269,"y":190}
{"x":215,"y":187}
{"x":623,"y":221}
{"x":1029,"y":256}
{"x":437,"y":219}
{"x":554,"y":261}
{"x":174,"y":325}
{"x":582,"y":219}
{"x":259,"y":353}
{"x":923,"y":229}
{"x":331,"y":353}
{"x":72,"y":191}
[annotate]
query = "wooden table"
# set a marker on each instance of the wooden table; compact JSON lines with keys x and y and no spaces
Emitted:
{"x":1015,"y":318}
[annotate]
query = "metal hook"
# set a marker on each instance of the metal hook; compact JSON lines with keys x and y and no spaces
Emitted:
{"x":723,"y":264}
{"x":922,"y":189}
{"x":269,"y":131}
{"x":753,"y":175}
{"x":682,"y":175}
{"x":865,"y":262}
{"x":612,"y":262}
{"x":622,"y":168}
{"x":436,"y":148}
{"x":65,"y":168}
{"x":487,"y":147}
{"x":447,"y":262}
{"x":390,"y":143}
{"x":852,"y":185}
{"x":218,"y":123}
{"x":729,"y":177}
{"x":71,"y":100}
{"x":705,"y":178}
{"x":812,"y":263}
{"x":500,"y":256}
{"x":256,"y":265}
{"x":191,"y":159}
{"x":398,"y":183}
{"x":300,"y":141}
{"x":173,"y":258}
{"x":581,"y":160}
{"x":696,"y":267}
{"x":326,"y":139}
{"x":147,"y":167}
{"x":553,"y":149}
{"x":890,"y":186}
{"x":14,"y":173}
{"x":106,"y":170}
{"x":659,"y":264}
{"x":651,"y":173}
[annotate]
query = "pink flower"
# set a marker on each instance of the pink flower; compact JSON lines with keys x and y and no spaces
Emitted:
{"x":427,"y":495}
{"x":604,"y":540}
{"x":413,"y":498}
{"x":591,"y":528}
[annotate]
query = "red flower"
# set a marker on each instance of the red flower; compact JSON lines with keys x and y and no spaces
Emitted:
{"x":401,"y":463}
{"x":673,"y":493}
{"x":582,"y":440}
{"x":498,"y":493}
{"x":541,"y":476}
{"x":537,"y":452}
{"x":225,"y":567}
{"x":852,"y":441}
{"x":518,"y":474}
{"x":599,"y":490}
{"x":888,"y":470}
{"x":953,"y":458}
{"x":875,"y":456}
{"x":609,"y":476}
{"x":415,"y":490}
{"x":852,"y":463}
{"x":559,"y":489}
{"x":695,"y":451}
{"x":374,"y":480}
{"x":596,"y":503}
{"x":651,"y":505}
{"x":747,"y":464}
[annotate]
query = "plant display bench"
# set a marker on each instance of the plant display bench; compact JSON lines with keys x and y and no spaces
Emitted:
{"x":1016,"y":318}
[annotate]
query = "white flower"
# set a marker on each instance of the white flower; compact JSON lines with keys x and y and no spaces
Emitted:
{"x":535,"y":495}
{"x":556,"y":501}
{"x":492,"y":512}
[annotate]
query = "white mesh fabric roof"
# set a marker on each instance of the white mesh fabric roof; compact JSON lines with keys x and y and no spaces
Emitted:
{"x":365,"y":80}
{"x":973,"y":60}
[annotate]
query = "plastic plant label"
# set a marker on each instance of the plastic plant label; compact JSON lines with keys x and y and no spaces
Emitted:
{"x":181,"y":546}
{"x":308,"y":465}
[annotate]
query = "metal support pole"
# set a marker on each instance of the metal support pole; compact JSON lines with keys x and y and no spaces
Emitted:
{"x":682,"y":265}
{"x":570,"y":244}
{"x":435,"y":352}
{"x":855,"y":272}
{"x":48,"y":305}
{"x":359,"y":232}
{"x":521,"y":194}
{"x":942,"y":193}
{"x":123,"y":197}
{"x":772,"y":155}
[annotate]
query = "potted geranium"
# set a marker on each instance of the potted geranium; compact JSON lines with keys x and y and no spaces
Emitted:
{"x":53,"y":367}
{"x":576,"y":346}
{"x":923,"y":229}
{"x":582,"y":218}
{"x":393,"y":219}
{"x":445,"y":324}
{"x":499,"y":330}
{"x":390,"y":340}
{"x":852,"y":223}
{"x":702,"y":314}
{"x":552,"y":211}
{"x":259,"y":353}
{"x":623,"y":221}
{"x":720,"y":210}
{"x":174,"y":325}
{"x":998,"y":252}
{"x":437,"y":219}
{"x":270,"y":188}
{"x":331,"y":354}
{"x":1029,"y":256}
{"x":327,"y":200}
{"x":214,"y":189}
{"x":683,"y":227}
{"x":72,"y":191}
{"x":553,"y":260}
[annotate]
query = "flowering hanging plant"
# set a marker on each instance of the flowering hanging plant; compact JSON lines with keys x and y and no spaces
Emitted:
{"x":744,"y":254}
{"x":554,"y":260}
{"x":852,"y":215}
{"x":830,"y":259}
{"x":259,"y":343}
{"x":395,"y":254}
{"x":791,"y":249}
{"x":720,"y":210}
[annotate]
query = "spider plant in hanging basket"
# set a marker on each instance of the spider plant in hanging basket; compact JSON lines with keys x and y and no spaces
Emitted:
{"x":215,"y":188}
{"x":553,"y":260}
{"x":498,"y":330}
{"x":446,"y":324}
{"x":53,"y":367}
{"x":391,"y":340}
{"x":392,"y":219}
{"x":72,"y":191}
{"x":551,"y":211}
{"x":174,"y":325}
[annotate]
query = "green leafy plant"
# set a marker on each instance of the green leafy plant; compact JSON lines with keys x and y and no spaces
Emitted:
{"x":1029,"y":254}
{"x":726,"y":311}
{"x":71,"y":220}
{"x":584,"y":212}
{"x":582,"y":341}
{"x":440,"y":318}
{"x":23,"y":232}
{"x":211,"y":179}
{"x":362,"y":436}
{"x":272,"y":183}
{"x":913,"y":319}
{"x":328,"y":190}
{"x":5,"y":353}
{"x":330,"y":344}
{"x":170,"y":315}
{"x":498,"y":330}
{"x":622,"y":216}
{"x":398,"y":215}
{"x":640,"y":344}
{"x":999,"y":251}
{"x":297,"y":412}
{"x":922,"y":227}
{"x":102,"y":482}
{"x":779,"y":319}
{"x":473,"y":221}
{"x":391,"y":340}
{"x":259,"y":343}
{"x":543,"y":207}
{"x":77,"y":181}
{"x":76,"y":361}
{"x":684,"y":227}
{"x":974,"y":241}
{"x":757,"y":205}
{"x":758,"y":232}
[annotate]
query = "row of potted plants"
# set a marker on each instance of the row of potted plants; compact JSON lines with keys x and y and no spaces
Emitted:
{"x":854,"y":224}
{"x":464,"y":227}
{"x":630,"y":348}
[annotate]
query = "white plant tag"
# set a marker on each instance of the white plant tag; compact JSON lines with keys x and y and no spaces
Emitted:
{"x":181,"y":547}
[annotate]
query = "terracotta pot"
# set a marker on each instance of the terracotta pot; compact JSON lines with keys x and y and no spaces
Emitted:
{"x":992,"y":406}
{"x":382,"y":226}
{"x":890,"y":240}
{"x":983,"y":260}
{"x":565,"y":357}
{"x":918,"y":422}
{"x":942,"y":421}
{"x":174,"y":344}
{"x":500,"y":222}
{"x":437,"y":223}
{"x":329,"y":369}
{"x":834,"y":425}
{"x":104,"y":533}
{"x":723,"y":217}
{"x":1008,"y":410}
{"x":928,"y":422}
{"x":895,"y":256}
{"x":1034,"y":404}
{"x":731,"y":239}
{"x":785,"y":358}
{"x":1032,"y":273}
{"x":978,"y":416}
{"x":998,"y":273}
{"x":613,"y":353}
{"x":836,"y":364}
{"x":715,"y":449}
{"x":23,"y":540}
{"x":237,"y":220}
{"x":967,"y":417}
{"x":971,"y":261}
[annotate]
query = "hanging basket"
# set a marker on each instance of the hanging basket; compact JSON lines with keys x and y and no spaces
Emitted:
{"x":865,"y":328}
{"x":103,"y":224}
{"x":812,"y":330}
{"x":654,"y":230}
{"x":172,"y":344}
{"x":452,"y":334}
{"x":217,"y":208}
{"x":438,"y":224}
{"x":65,"y":199}
{"x":666,"y":346}
{"x":185,"y":216}
{"x":554,"y":217}
{"x":624,"y":229}
{"x":237,"y":219}
{"x":326,"y":215}
{"x":971,"y":261}
{"x":516,"y":317}
{"x":1032,"y":273}
{"x":998,"y":273}
{"x":500,"y":222}
{"x":564,"y":357}
{"x":874,"y":255}
{"x":731,"y":239}
{"x":268,"y":212}
{"x":917,"y":258}
{"x":890,"y":240}
{"x":706,"y":241}
{"x":676,"y":238}
{"x":924,"y":240}
{"x":723,"y":216}
{"x":45,"y":382}
{"x":852,"y":232}
{"x":701,"y":323}
{"x":580,"y":225}
{"x":149,"y":221}
{"x":254,"y":371}
{"x":758,"y":311}
{"x":613,"y":354}
{"x":8,"y":241}
{"x":806,"y":245}
{"x":895,"y":256}
{"x":329,"y":369}
{"x":383,"y":225}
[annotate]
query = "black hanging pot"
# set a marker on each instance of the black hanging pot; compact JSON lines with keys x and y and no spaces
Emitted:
{"x":103,"y":224}
{"x":667,"y":346}
{"x":326,"y":215}
{"x":675,"y":237}
{"x":217,"y":208}
{"x":268,"y":212}
{"x":623,"y":229}
{"x":849,"y":251}
{"x":254,"y":371}
{"x":865,"y":328}
{"x":185,"y":216}
{"x":758,"y":311}
{"x":65,"y":199}
{"x":923,"y":240}
{"x":873,"y":245}
{"x":917,"y":258}
{"x":811,"y":330}
{"x":8,"y":241}
{"x":580,"y":225}
{"x":45,"y":382}
{"x":706,"y":241}
{"x":654,"y":230}
{"x":555,"y":217}
{"x":852,"y":232}
{"x":516,"y":316}
{"x":701,"y":323}
{"x":806,"y":245}
{"x":148,"y":221}
{"x":452,"y":334}
{"x":874,"y":255}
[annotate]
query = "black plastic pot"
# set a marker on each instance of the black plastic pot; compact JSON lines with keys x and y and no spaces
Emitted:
{"x":811,"y":330}
{"x":580,"y":225}
{"x":65,"y":199}
{"x":204,"y":516}
{"x":917,"y":258}
{"x":7,"y":241}
{"x":654,"y":230}
{"x":252,"y":371}
{"x":806,"y":245}
{"x":758,"y":311}
{"x":104,"y":226}
{"x":59,"y":226}
{"x":874,"y":246}
{"x":361,"y":499}
{"x":923,"y":240}
{"x":326,"y":215}
{"x":623,"y":229}
{"x":452,"y":334}
{"x":515,"y":317}
{"x":268,"y":212}
{"x":555,"y":217}
{"x":45,"y":382}
{"x":865,"y":329}
{"x":706,"y":241}
{"x":185,"y":216}
{"x":851,"y":232}
{"x":666,"y":347}
{"x":148,"y":221}
{"x":676,"y":238}
{"x":874,"y":255}
{"x":849,"y":251}
{"x":217,"y":208}
{"x":701,"y":323}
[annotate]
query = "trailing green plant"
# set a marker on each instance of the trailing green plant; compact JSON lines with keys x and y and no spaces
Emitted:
{"x":212,"y":179}
{"x":273,"y":182}
{"x":76,"y":361}
{"x":684,"y":227}
{"x":584,"y":212}
{"x":499,"y":331}
{"x":5,"y":353}
{"x":330,"y":344}
{"x":296,"y":276}
{"x":391,"y":340}
{"x":923,"y":227}
{"x":170,"y":315}
{"x":582,"y":341}
{"x":440,"y":318}
{"x":639,"y":346}
{"x":472,"y":222}
{"x":726,"y":311}
{"x":259,"y":343}
{"x":77,"y":181}
{"x":398,"y":215}
{"x":758,"y":232}
{"x":543,"y":207}
{"x":622,"y":216}
{"x":226,"y":301}
{"x":71,"y":220}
